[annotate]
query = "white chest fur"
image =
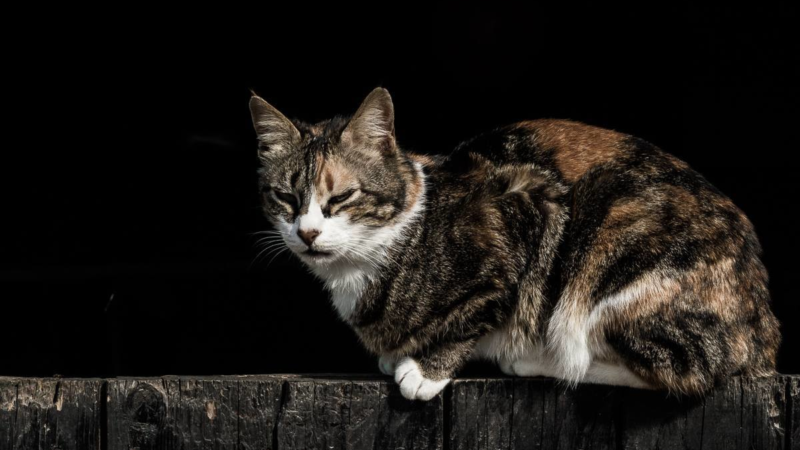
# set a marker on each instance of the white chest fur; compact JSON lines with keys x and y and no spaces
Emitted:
{"x":346,"y":290}
{"x":347,"y":279}
{"x":346,"y":282}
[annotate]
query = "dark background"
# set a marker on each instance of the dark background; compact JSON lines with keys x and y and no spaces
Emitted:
{"x":129,"y":163}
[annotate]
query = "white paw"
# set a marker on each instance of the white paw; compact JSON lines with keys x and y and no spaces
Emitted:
{"x":386,"y":364}
{"x":413,"y":385}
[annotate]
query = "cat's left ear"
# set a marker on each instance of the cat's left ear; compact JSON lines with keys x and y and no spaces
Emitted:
{"x":372,"y":127}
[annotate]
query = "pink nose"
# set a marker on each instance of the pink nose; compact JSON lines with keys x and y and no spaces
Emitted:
{"x":308,"y":236}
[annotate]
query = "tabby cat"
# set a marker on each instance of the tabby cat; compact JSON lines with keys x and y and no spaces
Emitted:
{"x":551,"y":247}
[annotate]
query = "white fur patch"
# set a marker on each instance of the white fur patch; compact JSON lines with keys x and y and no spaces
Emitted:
{"x":538,"y":363}
{"x":346,"y":288}
{"x":358,"y":251}
{"x":568,"y":341}
{"x":571,"y":354}
{"x":313,"y":219}
{"x":613,"y":374}
{"x":414,"y":385}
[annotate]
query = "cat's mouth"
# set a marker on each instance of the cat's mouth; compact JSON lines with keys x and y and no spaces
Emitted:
{"x":316,"y":254}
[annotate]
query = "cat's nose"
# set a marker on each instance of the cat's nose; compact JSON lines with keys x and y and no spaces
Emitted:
{"x":308,"y":236}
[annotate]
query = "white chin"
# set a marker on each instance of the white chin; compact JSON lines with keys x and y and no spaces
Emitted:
{"x":317,"y":257}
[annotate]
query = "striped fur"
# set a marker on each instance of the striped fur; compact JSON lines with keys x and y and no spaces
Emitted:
{"x":552,"y":247}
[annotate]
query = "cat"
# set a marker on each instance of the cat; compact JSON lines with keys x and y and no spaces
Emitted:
{"x":550,"y":247}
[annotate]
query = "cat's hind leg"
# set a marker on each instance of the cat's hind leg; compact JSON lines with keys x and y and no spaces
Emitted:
{"x":537,"y":362}
{"x":577,"y":332}
{"x":680,"y":349}
{"x":691,"y":334}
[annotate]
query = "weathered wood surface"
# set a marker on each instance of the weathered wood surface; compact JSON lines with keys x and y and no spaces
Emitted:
{"x":340,"y":412}
{"x":50,"y":413}
{"x":268,"y":412}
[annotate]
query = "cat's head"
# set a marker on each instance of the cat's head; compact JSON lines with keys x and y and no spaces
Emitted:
{"x":339,"y":191}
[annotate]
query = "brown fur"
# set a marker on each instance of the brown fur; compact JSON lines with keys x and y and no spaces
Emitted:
{"x":534,"y":233}
{"x":576,"y":147}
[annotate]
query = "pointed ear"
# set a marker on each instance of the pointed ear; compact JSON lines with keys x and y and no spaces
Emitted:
{"x":275,"y":132}
{"x":372,"y":126}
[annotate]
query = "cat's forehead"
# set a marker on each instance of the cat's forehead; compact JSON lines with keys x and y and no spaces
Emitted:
{"x":329,"y":130}
{"x":322,"y":161}
{"x":331,"y":171}
{"x":318,"y":162}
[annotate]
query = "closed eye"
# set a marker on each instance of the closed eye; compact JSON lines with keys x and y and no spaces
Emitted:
{"x":341,"y":198}
{"x":286,"y":197}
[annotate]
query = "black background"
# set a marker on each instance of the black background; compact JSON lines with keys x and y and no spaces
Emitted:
{"x":129,"y":173}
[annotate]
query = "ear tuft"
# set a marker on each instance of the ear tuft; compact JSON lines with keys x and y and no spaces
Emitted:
{"x":275,"y":132}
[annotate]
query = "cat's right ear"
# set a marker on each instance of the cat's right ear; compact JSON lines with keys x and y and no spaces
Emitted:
{"x":275,"y":132}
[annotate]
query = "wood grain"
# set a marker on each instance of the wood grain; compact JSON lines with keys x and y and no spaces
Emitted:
{"x":358,"y":412}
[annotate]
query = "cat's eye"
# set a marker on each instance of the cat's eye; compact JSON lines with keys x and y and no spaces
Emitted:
{"x":341,"y":197}
{"x":286,"y":198}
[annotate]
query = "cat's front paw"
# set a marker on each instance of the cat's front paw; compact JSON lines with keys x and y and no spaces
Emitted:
{"x":413,"y":384}
{"x":387,"y":364}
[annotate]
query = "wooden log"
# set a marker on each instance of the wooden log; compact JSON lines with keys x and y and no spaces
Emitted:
{"x":531,"y":413}
{"x":764,"y":413}
{"x":357,"y":412}
{"x":654,"y":420}
{"x":137,"y":413}
{"x":741,"y":414}
{"x":793,"y":412}
{"x":50,"y":413}
{"x":260,"y":400}
{"x":268,"y":412}
{"x":481,"y":414}
{"x":541,"y":414}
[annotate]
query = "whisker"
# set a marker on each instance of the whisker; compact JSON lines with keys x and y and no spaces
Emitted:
{"x":268,"y":232}
{"x":377,"y":252}
{"x":266,"y":251}
{"x":276,"y":255}
{"x":269,"y":239}
{"x":374,"y":260}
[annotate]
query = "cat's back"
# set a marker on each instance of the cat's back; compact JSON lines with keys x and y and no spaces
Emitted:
{"x":606,"y":171}
{"x":567,"y":148}
{"x":613,"y":181}
{"x":656,"y":263}
{"x":636,"y":209}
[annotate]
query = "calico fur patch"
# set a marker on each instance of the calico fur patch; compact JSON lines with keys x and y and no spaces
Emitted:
{"x":550,"y":246}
